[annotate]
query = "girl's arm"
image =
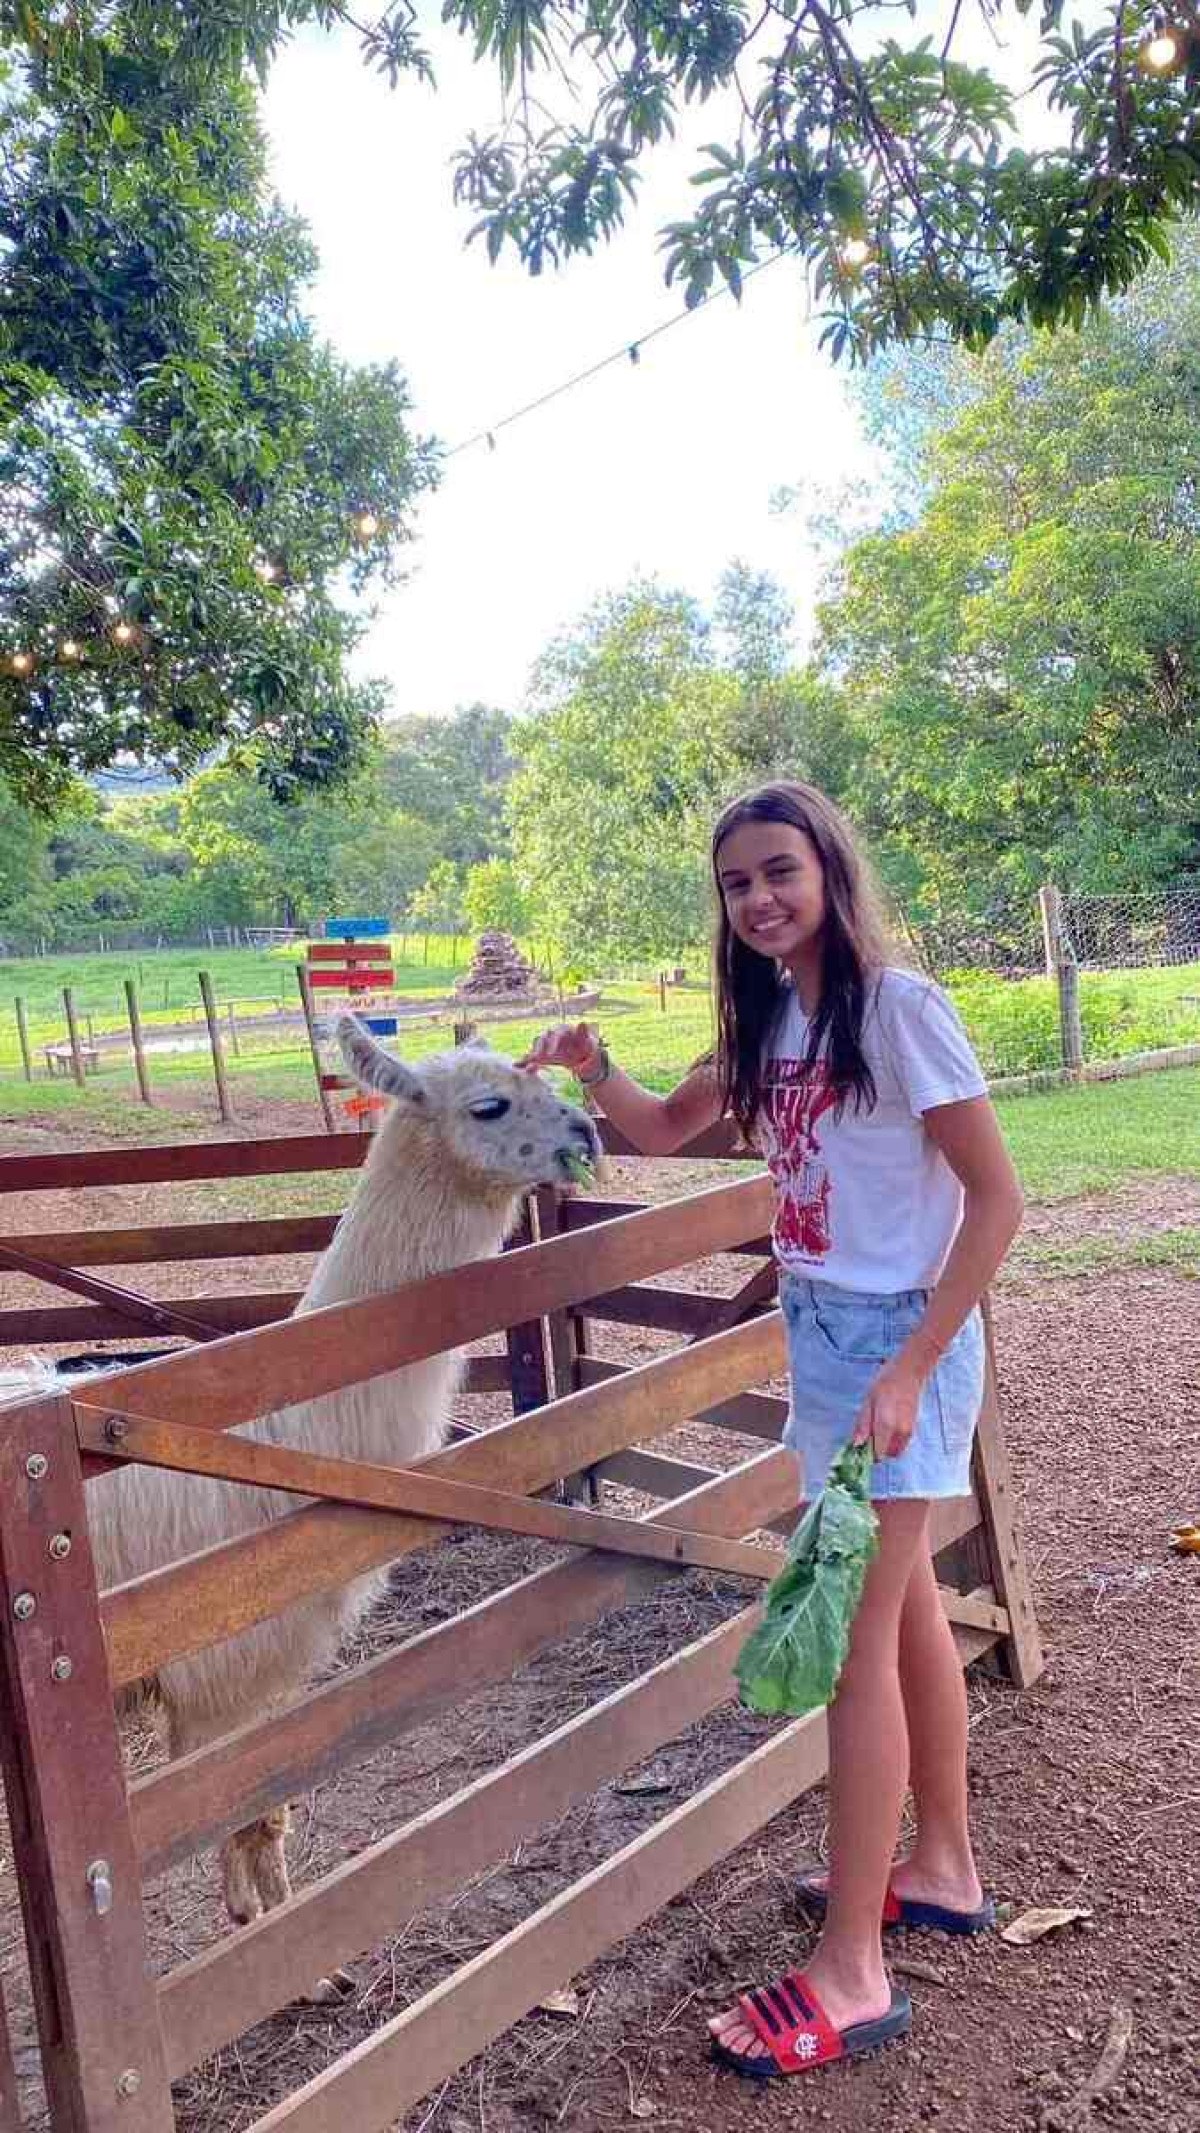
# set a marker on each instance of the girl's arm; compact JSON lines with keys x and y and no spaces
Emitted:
{"x":968,"y":1135}
{"x":656,"y":1125}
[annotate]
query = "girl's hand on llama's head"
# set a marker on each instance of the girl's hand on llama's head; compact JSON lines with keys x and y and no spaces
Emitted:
{"x":574,"y":1045}
{"x":889,"y":1413}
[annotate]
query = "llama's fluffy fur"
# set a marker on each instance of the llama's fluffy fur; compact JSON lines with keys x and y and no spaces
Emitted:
{"x":466,"y":1133}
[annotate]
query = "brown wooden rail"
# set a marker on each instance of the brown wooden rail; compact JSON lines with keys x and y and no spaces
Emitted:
{"x":112,"y":2039}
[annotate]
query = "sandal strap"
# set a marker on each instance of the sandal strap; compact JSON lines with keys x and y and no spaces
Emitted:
{"x":791,"y":2023}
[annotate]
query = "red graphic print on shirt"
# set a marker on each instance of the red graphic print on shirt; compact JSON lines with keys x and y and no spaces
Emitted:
{"x":795,"y":1096}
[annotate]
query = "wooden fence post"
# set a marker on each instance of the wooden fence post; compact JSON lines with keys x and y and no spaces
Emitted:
{"x":134,"y":1014}
{"x":1021,"y":1649}
{"x":527,"y":1344}
{"x":566,"y":1341}
{"x":214,"y":1038}
{"x":310,"y":1024}
{"x":73,"y":1034}
{"x":97,"y":2004}
{"x":23,"y":1037}
{"x":1062,"y":967}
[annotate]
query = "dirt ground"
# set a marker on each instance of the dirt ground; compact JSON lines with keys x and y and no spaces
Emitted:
{"x":1085,"y":1787}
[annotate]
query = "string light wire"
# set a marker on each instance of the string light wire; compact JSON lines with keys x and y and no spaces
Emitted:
{"x":628,"y":352}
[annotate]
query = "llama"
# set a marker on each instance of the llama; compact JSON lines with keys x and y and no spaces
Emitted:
{"x":466,"y":1134}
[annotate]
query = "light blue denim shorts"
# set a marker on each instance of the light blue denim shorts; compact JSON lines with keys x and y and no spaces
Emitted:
{"x":838,"y":1341}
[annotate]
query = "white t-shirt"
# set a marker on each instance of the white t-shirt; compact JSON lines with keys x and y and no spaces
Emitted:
{"x":867,"y":1200}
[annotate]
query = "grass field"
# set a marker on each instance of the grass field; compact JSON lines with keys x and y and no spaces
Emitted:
{"x":1066,"y":1141}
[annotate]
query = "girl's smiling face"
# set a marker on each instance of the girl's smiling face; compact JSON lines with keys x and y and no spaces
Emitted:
{"x":773,"y":886}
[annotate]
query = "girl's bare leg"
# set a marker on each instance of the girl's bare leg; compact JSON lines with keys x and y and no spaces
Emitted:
{"x":941,"y":1866}
{"x":868,"y":1777}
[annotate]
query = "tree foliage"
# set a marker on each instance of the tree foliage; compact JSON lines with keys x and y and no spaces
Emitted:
{"x":894,"y":167}
{"x":636,"y":734}
{"x":184,"y":467}
{"x":1022,"y":663}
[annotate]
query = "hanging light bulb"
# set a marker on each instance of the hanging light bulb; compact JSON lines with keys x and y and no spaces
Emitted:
{"x":70,"y":649}
{"x":1163,"y":49}
{"x":123,"y":632}
{"x":855,"y":252}
{"x":21,"y":662}
{"x":266,"y":569}
{"x":366,"y":525}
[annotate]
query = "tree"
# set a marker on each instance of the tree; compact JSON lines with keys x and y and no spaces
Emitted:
{"x":630,"y":744}
{"x":451,"y":774}
{"x":437,"y":906}
{"x":187,"y":476}
{"x":494,"y":900}
{"x":891,"y":165}
{"x":1022,"y":664}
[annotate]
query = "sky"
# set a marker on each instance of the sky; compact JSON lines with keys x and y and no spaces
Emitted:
{"x":667,"y":468}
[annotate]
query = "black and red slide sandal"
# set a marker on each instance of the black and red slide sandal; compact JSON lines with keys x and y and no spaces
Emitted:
{"x":904,"y":1910}
{"x":796,"y":2032}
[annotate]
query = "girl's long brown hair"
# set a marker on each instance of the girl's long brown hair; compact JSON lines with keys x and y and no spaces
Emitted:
{"x":752,"y":991}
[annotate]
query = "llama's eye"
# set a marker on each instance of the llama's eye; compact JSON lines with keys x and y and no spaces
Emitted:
{"x":491,"y":1107}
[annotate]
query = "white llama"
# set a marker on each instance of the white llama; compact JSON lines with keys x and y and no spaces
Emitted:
{"x":466,"y":1134}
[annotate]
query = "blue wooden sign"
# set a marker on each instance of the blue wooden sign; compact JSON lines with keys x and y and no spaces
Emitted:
{"x":357,"y":929}
{"x":381,"y":1025}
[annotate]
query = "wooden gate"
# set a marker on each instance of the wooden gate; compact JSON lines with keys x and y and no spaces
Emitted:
{"x":112,"y":2036}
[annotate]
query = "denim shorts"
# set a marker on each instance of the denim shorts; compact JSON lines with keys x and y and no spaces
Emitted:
{"x":838,"y":1341}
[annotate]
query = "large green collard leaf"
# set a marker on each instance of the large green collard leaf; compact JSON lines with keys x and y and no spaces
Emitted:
{"x":792,"y":1661}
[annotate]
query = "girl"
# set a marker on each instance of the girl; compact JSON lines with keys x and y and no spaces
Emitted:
{"x":895,"y":1204}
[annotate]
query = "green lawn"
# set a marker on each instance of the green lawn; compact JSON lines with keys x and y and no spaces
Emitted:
{"x":1065,"y":1141}
{"x":1091,"y":1138}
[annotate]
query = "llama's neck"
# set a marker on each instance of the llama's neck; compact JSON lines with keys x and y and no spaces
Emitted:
{"x":413,"y":1213}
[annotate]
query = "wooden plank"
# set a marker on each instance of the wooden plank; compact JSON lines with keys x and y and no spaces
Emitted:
{"x":751,"y":1414}
{"x":370,"y":2087}
{"x":356,"y":928}
{"x":1022,"y":1650}
{"x":179,"y":1162}
{"x":666,"y":1310}
{"x":222,"y":1992}
{"x":357,"y":979}
{"x":432,"y":1497}
{"x":217,"y":1995}
{"x":222,"y":1384}
{"x":82,"y":1323}
{"x":202,"y":1797}
{"x":759,"y":1293}
{"x":101,"y":2041}
{"x":345,"y":952}
{"x":656,"y":1475}
{"x":168,"y":1242}
{"x":375,"y":2083}
{"x":164,"y":1315}
{"x":579,"y":1212}
{"x":208,"y":1598}
{"x":714,"y":1144}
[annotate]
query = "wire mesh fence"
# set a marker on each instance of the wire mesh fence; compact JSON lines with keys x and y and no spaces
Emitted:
{"x":1155,"y":929}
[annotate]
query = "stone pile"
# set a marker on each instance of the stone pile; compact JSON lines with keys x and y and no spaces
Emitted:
{"x":498,"y":972}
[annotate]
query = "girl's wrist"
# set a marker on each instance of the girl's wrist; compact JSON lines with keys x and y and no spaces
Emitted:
{"x":920,"y":1354}
{"x":601,"y":1068}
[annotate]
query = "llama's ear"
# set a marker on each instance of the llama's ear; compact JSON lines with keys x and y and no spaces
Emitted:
{"x":371,"y":1066}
